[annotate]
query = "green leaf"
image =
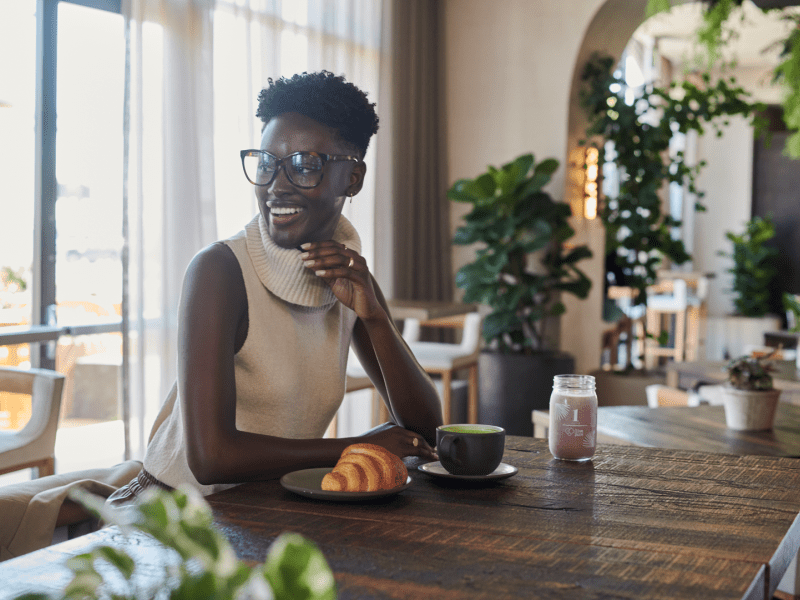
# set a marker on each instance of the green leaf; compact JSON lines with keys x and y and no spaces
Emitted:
{"x":477,"y":273}
{"x":473,"y":190}
{"x":546,"y":167}
{"x":500,"y":322}
{"x":156,"y":516}
{"x":537,"y":237}
{"x":467,"y":235}
{"x":577,"y":254}
{"x":513,"y":173}
{"x":656,"y":6}
{"x":297,"y":570}
{"x":580,"y":289}
{"x":120,"y":559}
{"x":459,"y":193}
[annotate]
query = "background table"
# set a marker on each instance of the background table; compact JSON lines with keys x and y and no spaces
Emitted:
{"x":685,"y":375}
{"x":689,"y":428}
{"x":631,"y":523}
{"x":425,"y":310}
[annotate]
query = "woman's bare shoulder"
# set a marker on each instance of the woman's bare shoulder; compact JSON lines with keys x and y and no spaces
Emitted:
{"x":215,"y":270}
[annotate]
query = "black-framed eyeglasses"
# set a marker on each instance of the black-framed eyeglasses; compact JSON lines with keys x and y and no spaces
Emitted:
{"x":304,"y":169}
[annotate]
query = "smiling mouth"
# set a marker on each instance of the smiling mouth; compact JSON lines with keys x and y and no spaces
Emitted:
{"x":284,"y":211}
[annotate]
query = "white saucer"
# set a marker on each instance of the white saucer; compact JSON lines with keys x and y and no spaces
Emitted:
{"x":501,"y":472}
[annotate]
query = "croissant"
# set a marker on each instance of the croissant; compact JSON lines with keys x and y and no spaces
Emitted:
{"x":365,"y":468}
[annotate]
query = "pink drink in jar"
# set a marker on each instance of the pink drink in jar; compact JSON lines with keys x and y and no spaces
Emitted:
{"x":573,"y":417}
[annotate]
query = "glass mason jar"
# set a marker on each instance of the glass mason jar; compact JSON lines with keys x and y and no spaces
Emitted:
{"x":573,"y":417}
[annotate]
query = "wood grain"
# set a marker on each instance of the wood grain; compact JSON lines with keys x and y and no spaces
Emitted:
{"x":631,"y":523}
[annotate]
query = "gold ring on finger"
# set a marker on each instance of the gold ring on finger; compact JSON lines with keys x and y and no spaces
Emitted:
{"x":415,"y":442}
{"x":350,"y":264}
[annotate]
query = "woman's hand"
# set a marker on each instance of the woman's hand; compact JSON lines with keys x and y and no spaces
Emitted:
{"x":347,"y":274}
{"x":399,"y":441}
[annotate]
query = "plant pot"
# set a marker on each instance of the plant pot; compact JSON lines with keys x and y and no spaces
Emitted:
{"x":512,"y":386}
{"x":750,"y":410}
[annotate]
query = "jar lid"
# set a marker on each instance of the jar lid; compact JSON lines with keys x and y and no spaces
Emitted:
{"x":574,"y":382}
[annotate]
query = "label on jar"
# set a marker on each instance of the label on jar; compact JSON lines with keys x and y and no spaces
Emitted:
{"x":573,"y":425}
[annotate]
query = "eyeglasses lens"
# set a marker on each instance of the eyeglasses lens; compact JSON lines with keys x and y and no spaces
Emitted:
{"x":303,"y":169}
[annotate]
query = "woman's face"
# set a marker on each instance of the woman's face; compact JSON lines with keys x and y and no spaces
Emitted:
{"x":308,"y":215}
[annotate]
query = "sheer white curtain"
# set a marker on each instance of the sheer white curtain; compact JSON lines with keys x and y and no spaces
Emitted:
{"x":195,"y":68}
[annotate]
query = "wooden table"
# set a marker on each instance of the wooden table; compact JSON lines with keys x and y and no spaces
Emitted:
{"x":689,"y":428}
{"x":426,"y":310}
{"x":685,"y":375}
{"x":631,"y":523}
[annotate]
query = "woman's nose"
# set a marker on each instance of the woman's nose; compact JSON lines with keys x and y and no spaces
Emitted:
{"x":281,"y":184}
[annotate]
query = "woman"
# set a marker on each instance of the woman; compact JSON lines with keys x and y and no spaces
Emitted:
{"x":266,"y":317}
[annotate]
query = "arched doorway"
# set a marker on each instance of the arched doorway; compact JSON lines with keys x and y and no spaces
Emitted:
{"x":608,"y":32}
{"x":727,"y":178}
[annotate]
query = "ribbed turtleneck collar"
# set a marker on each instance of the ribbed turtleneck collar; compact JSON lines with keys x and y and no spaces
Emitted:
{"x":281,"y":270}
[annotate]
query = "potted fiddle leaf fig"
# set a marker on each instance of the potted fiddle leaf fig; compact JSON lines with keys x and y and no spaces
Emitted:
{"x":523,"y":264}
{"x":749,"y":397}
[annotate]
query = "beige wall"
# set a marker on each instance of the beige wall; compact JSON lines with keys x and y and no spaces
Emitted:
{"x":510,"y":69}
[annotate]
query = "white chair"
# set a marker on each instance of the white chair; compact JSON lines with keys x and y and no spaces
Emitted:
{"x":445,"y":359}
{"x":33,"y":446}
{"x":663,"y":395}
{"x":667,"y":305}
{"x":435,"y":358}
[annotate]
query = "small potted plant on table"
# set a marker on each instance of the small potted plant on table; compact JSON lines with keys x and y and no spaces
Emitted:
{"x":749,"y":397}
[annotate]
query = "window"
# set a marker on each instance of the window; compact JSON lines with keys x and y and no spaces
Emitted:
{"x":61,"y":209}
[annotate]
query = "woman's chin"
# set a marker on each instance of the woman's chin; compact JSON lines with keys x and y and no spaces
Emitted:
{"x":287,"y":233}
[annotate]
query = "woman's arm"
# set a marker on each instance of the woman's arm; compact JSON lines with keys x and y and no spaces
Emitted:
{"x":212,"y":327}
{"x":392,"y":368}
{"x":396,"y":374}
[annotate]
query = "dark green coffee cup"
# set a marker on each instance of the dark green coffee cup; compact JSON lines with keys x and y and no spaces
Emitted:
{"x":466,"y":449}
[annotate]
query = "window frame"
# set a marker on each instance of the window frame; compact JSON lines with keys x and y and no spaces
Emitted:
{"x":44,"y":327}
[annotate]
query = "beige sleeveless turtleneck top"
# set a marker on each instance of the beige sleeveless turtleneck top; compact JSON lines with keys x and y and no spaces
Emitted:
{"x":290,"y":372}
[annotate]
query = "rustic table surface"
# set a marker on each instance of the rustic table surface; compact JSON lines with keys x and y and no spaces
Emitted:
{"x":690,"y":428}
{"x":632,"y":523}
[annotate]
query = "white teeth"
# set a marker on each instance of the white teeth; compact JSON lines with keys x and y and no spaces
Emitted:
{"x":285,"y":211}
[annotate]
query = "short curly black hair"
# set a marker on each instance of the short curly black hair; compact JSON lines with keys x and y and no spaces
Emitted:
{"x":326,"y":98}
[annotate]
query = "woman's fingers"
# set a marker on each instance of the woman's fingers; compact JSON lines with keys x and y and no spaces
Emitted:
{"x":403,"y":442}
{"x":328,"y":260}
{"x":422,"y":448}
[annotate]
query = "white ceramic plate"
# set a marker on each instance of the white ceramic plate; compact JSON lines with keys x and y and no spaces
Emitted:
{"x":501,"y":472}
{"x":308,"y":482}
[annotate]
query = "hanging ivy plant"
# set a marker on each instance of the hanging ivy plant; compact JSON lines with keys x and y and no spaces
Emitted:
{"x":638,"y":232}
{"x":788,"y":73}
{"x":715,"y":32}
